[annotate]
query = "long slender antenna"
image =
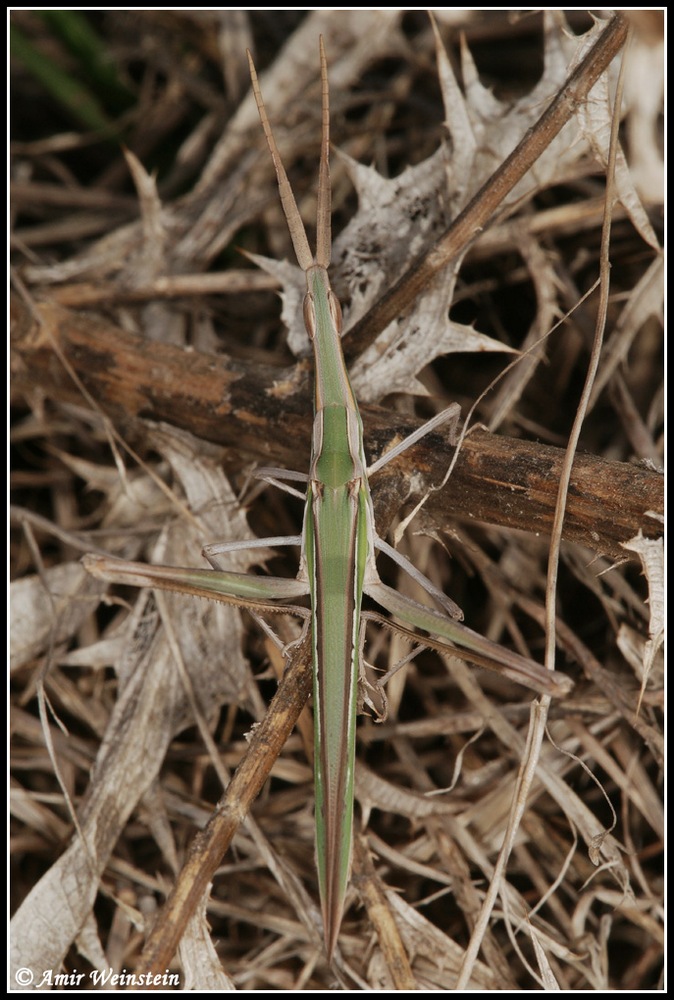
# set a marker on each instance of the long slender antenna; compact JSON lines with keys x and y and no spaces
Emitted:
{"x":298,"y":235}
{"x":324,"y":209}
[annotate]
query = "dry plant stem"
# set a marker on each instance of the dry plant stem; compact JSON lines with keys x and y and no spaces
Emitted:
{"x":83,"y":294}
{"x":574,"y":437}
{"x":372,"y":893}
{"x":524,"y":780}
{"x":262,"y":411}
{"x":209,"y":846}
{"x":44,"y":707}
{"x":487,"y":468}
{"x":604,"y":680}
{"x":540,"y":709}
{"x":480,"y":210}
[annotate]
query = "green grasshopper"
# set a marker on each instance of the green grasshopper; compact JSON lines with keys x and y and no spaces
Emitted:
{"x":338,"y":547}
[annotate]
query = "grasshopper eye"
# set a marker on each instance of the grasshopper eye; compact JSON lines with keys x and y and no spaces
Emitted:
{"x":335,"y":311}
{"x":309,"y":311}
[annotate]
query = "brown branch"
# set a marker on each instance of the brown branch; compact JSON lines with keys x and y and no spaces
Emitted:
{"x":373,"y":895}
{"x":489,"y":199}
{"x":265,"y":412}
{"x":209,"y":845}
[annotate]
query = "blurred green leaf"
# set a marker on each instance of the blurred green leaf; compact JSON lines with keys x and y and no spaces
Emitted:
{"x":93,"y":56}
{"x":63,"y":87}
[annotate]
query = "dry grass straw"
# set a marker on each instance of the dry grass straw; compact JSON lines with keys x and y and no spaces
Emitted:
{"x":504,"y":842}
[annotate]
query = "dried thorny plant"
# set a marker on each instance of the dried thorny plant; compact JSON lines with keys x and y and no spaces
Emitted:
{"x":151,"y":375}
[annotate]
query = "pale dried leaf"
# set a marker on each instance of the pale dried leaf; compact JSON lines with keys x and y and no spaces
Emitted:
{"x":89,"y":945}
{"x":594,"y":117}
{"x":36,"y":815}
{"x":375,"y":792}
{"x":151,"y":258}
{"x":398,"y":218}
{"x":49,"y":609}
{"x":435,"y":957}
{"x":498,"y":125}
{"x":202,"y":969}
{"x":637,"y":652}
{"x":457,"y":119}
{"x":547,"y":975}
{"x":153,"y":811}
{"x":98,"y":654}
{"x":386,"y":366}
{"x":644,"y":100}
{"x":149,"y":261}
{"x":50,"y":917}
{"x":651,"y":554}
{"x":152,"y":706}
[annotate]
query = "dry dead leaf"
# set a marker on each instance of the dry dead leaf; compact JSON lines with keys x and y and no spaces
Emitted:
{"x":141,"y":781}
